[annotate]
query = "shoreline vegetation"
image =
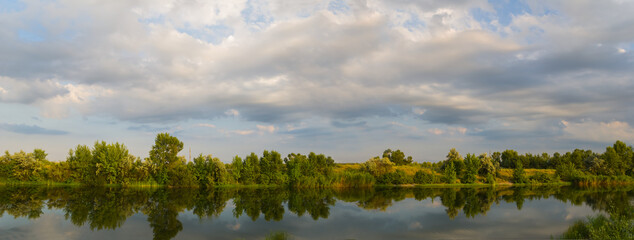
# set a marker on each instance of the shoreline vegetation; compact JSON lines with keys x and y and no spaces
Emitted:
{"x":110,"y":164}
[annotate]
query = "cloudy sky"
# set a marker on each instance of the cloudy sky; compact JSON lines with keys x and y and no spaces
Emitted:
{"x":348,"y":78}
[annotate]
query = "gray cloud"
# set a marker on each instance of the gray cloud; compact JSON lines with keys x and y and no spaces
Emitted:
{"x":340,"y":124}
{"x":24,"y":91}
{"x":30,"y":129}
{"x":149,"y":65}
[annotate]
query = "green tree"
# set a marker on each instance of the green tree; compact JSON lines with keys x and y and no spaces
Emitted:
{"x":250,"y":169}
{"x":472,"y":166}
{"x":272,"y":168}
{"x":108,"y":162}
{"x":39,"y":154}
{"x":456,"y":159}
{"x":378,"y":166}
{"x":236,"y":168}
{"x":450,"y":173}
{"x":488,"y":165}
{"x":80,"y":164}
{"x":519,"y":176}
{"x":397,"y":157}
{"x":509,"y":158}
{"x":163,"y":155}
{"x":209,"y":171}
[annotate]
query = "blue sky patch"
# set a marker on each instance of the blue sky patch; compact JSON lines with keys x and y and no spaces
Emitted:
{"x":338,"y":7}
{"x":35,"y":32}
{"x":506,"y":9}
{"x":254,"y":15}
{"x":8,"y":6}
{"x":214,"y":34}
{"x":414,"y":23}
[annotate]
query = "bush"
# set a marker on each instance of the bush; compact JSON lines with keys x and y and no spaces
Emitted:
{"x":353,"y":179}
{"x":490,"y":178}
{"x":568,"y":172}
{"x":450,"y":174}
{"x":541,"y":177}
{"x":519,"y":176}
{"x":422,"y":177}
{"x":601,"y":227}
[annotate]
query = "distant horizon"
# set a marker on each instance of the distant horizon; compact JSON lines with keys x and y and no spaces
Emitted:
{"x":345,"y":78}
{"x":186,"y":151}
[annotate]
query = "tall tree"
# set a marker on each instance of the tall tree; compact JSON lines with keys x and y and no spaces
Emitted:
{"x":472,"y":166}
{"x":397,"y":157}
{"x":519,"y":176}
{"x":450,"y":173}
{"x":163,"y":155}
{"x":456,"y":159}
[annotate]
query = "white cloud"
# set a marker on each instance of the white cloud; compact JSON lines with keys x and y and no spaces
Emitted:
{"x":435,"y":131}
{"x":418,"y":111}
{"x":266,"y":128}
{"x":242,"y":132}
{"x":207,"y":125}
{"x":232,"y":113}
{"x":277,"y":63}
{"x":598,"y":131}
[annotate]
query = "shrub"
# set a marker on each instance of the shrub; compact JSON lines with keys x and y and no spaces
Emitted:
{"x":422,"y":177}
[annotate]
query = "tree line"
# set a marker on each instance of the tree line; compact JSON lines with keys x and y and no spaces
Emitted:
{"x":112,"y":164}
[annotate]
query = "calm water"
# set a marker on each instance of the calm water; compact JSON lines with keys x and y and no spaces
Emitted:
{"x":246,"y":213}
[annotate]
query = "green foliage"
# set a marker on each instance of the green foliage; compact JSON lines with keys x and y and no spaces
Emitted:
{"x":397,"y":157}
{"x":179,"y":175}
{"x":209,"y":171}
{"x":112,"y":164}
{"x":80,"y":163}
{"x":314,"y":170}
{"x":509,"y":158}
{"x":397,"y":177}
{"x":541,"y":177}
{"x":601,"y":227}
{"x":519,"y":176}
{"x":353,"y":179}
{"x":449,"y":174}
{"x":568,"y":172}
{"x":163,"y":156}
{"x":250,"y":172}
{"x":23,"y":167}
{"x":236,"y":168}
{"x":490,"y":178}
{"x":278,"y":236}
{"x":488,"y":165}
{"x":104,"y":164}
{"x":272,"y":169}
{"x":378,"y":166}
{"x":422,"y":177}
{"x":456,"y":160}
{"x":108,"y":161}
{"x":472,"y":166}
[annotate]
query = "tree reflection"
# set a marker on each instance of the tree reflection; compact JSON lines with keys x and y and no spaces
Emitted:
{"x":162,"y":214}
{"x":316,"y":202}
{"x":108,"y":208}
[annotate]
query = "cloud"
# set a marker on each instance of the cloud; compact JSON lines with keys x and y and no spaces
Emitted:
{"x":435,"y":131}
{"x":266,"y":128}
{"x":341,"y":124}
{"x":27,"y":92}
{"x":605,"y":132}
{"x":451,"y":65}
{"x":207,"y":125}
{"x":30,"y":129}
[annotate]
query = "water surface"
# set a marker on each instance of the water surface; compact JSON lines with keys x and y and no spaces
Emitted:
{"x":254,"y":213}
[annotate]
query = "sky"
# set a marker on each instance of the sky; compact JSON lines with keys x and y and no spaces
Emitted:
{"x":345,"y":78}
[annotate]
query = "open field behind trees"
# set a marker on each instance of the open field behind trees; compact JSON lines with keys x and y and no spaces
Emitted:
{"x":111,"y":164}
